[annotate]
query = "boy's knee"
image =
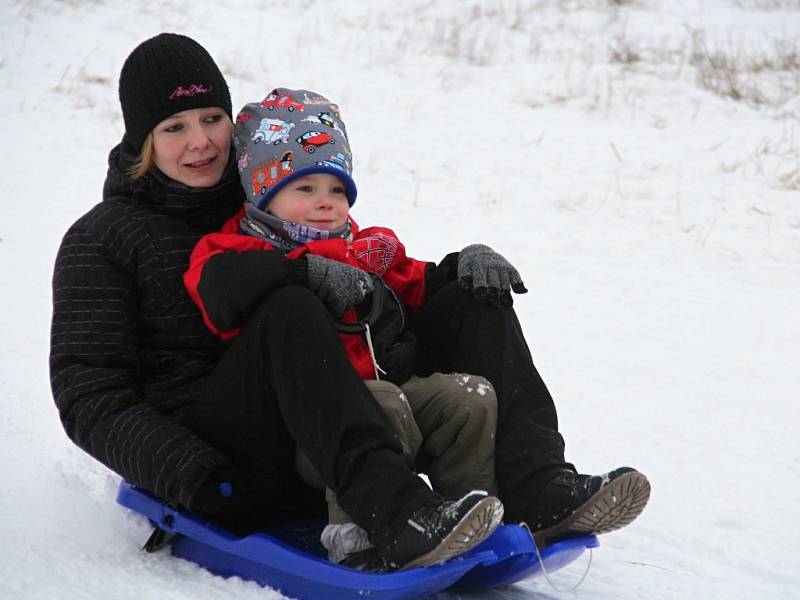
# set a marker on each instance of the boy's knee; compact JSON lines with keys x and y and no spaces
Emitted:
{"x":452,"y":396}
{"x":473,"y":393}
{"x":479,"y":393}
{"x":381,"y":387}
{"x":397,"y":410}
{"x":471,"y":403}
{"x":390,"y":397}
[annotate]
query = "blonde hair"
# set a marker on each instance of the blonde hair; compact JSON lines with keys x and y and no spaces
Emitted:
{"x":146,"y":159}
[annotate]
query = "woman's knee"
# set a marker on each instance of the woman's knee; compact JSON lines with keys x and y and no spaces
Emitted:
{"x":294,"y":298}
{"x":291,"y":315}
{"x":291,"y":303}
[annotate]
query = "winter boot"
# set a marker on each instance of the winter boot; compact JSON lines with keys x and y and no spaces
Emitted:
{"x":570,"y":504}
{"x":441,"y":529}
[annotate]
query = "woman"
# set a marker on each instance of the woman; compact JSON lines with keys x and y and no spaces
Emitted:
{"x":143,"y":387}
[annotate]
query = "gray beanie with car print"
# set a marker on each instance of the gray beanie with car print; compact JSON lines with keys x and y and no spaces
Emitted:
{"x":289,"y":134}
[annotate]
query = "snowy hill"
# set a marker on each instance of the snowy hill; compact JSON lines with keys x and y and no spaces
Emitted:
{"x":639,"y":161}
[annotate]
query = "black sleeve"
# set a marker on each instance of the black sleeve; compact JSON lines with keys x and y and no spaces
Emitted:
{"x":436,"y":276}
{"x":233,"y":284}
{"x":96,"y":380}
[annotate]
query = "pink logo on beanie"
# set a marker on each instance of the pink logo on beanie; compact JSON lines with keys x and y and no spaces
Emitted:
{"x":192,"y":90}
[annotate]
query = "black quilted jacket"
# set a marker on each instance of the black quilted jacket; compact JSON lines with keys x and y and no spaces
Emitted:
{"x":128,"y":346}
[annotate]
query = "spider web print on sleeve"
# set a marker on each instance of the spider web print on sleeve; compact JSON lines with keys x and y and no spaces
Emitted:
{"x":375,"y":253}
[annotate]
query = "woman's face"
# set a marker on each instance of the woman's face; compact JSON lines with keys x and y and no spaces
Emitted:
{"x":192,"y":146}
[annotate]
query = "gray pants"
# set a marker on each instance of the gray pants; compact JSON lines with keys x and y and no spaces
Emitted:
{"x":446,"y":424}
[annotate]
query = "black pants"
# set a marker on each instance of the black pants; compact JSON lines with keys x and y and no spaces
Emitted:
{"x":458,"y":334}
{"x":286,"y":382}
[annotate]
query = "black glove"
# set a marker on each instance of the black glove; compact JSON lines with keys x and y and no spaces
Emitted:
{"x":338,"y":285}
{"x":488,"y":275}
{"x":226,"y":492}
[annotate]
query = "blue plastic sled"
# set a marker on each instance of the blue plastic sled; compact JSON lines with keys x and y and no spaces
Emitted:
{"x":291,"y":559}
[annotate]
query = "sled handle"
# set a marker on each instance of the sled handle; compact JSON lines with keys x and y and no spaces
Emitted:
{"x":374,"y":312}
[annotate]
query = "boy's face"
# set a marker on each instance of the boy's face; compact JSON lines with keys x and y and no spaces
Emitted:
{"x":318,"y":200}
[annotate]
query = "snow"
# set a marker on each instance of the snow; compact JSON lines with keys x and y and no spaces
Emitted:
{"x":656,"y":225}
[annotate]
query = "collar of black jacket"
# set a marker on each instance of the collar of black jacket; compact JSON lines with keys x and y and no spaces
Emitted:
{"x":164,"y":195}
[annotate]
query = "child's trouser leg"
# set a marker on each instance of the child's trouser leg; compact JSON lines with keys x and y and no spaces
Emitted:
{"x":458,"y":334}
{"x":398,"y":413}
{"x":342,"y":538}
{"x":457,"y":415}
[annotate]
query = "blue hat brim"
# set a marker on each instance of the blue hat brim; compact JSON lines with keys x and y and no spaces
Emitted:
{"x":349,"y":184}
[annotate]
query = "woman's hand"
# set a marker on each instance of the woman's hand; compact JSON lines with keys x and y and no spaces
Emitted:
{"x":488,"y":275}
{"x":227,"y":492}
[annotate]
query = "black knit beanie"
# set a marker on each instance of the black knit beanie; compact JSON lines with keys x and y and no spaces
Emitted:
{"x":165,"y":75}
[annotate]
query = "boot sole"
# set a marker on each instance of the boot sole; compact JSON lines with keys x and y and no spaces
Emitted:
{"x":612,"y":507}
{"x":477,"y":525}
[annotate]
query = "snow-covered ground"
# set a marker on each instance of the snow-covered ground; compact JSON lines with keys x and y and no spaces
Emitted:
{"x":637,"y":160}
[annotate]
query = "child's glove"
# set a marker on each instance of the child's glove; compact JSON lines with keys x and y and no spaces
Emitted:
{"x":488,"y":275}
{"x":338,"y":285}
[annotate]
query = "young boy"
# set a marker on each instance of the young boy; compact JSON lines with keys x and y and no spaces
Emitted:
{"x":295,"y":165}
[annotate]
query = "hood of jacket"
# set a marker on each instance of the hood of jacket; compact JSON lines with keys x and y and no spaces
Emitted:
{"x":159,"y":193}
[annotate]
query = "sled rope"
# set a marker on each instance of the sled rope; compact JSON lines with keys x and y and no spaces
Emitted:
{"x":547,"y":575}
{"x":375,"y":364}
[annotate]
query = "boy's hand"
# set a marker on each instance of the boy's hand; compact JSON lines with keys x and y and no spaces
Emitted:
{"x":338,"y":285}
{"x":488,"y":275}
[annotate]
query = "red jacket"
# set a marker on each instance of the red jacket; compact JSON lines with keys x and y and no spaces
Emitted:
{"x":229,"y":273}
